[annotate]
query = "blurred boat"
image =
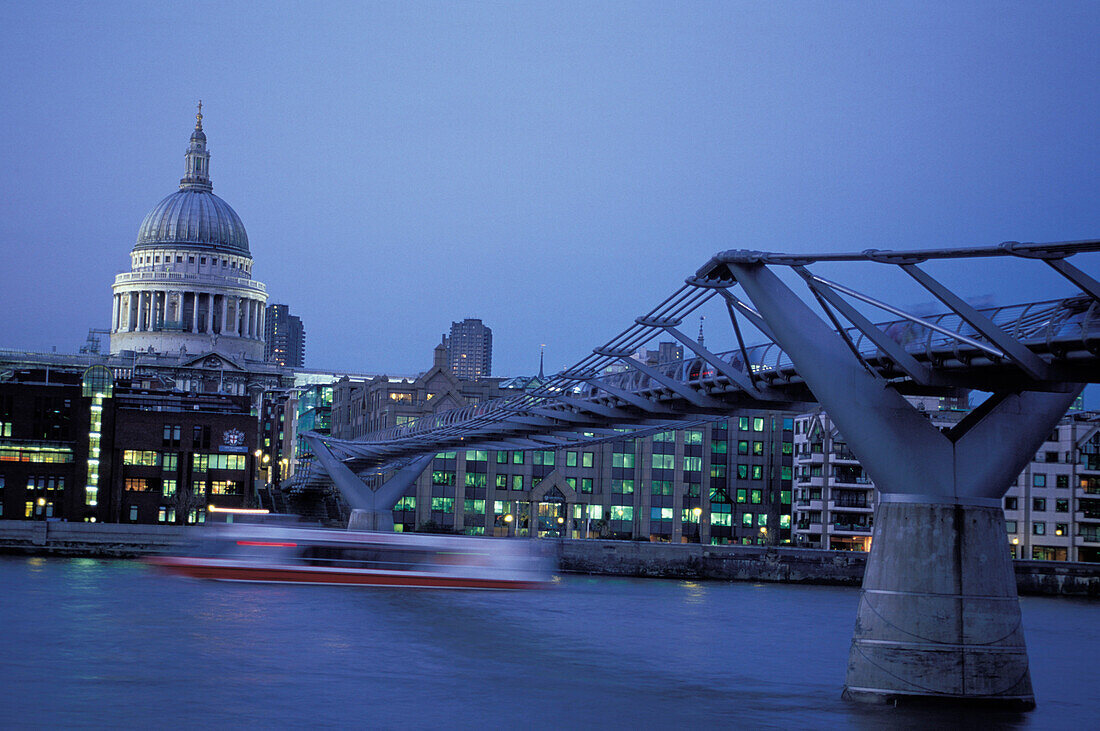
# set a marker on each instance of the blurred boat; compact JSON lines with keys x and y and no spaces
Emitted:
{"x":271,"y":553}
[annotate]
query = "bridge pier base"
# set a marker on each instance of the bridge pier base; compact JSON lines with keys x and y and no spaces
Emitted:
{"x":939,"y":617}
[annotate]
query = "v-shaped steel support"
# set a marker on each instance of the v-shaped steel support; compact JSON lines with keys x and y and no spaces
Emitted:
{"x":371,"y":509}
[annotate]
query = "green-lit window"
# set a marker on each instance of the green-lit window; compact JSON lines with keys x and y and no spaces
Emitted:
{"x":622,"y":512}
{"x":691,"y":489}
{"x":446,"y":504}
{"x":693,"y":464}
{"x":755,"y":496}
{"x":757,"y":472}
{"x":661,"y":487}
{"x":687,"y":515}
{"x":742,"y":495}
{"x":406,"y":503}
{"x":746,"y":520}
{"x":761,"y":520}
{"x":588,"y":459}
{"x":622,"y":459}
{"x":143,"y":458}
{"x":502,"y":458}
{"x":721,"y":515}
{"x":477,"y":455}
{"x":586,"y":484}
{"x":594,"y":511}
{"x":543,"y":458}
{"x":788,"y":448}
{"x":443,"y":477}
{"x":758,"y":424}
{"x":475,"y":479}
{"x":742,"y":447}
{"x":625,"y":487}
{"x":170,"y":462}
{"x":502,"y":482}
{"x":199,"y":462}
{"x":572,"y":482}
{"x":570,"y":459}
{"x":758,"y":448}
{"x":718,"y":446}
{"x":664,"y":461}
{"x":743,"y":471}
{"x":517,"y":482}
{"x":446,"y":455}
{"x":517,"y":457}
{"x":785,"y":497}
{"x":500,"y":507}
{"x":473,"y":506}
{"x":785,"y":472}
{"x":693,"y":436}
{"x":743,"y":423}
{"x":168,"y":488}
{"x":664,"y":436}
{"x":718,"y":470}
{"x":784,"y":521}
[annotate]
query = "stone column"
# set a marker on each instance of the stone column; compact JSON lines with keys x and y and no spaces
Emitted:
{"x":114,"y":313}
{"x":194,"y":312}
{"x":225,"y":315}
{"x":209,"y":312}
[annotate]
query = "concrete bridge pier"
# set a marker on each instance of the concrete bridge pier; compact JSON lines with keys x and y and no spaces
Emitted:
{"x":939,"y":618}
{"x":938,"y":613}
{"x":370,"y":509}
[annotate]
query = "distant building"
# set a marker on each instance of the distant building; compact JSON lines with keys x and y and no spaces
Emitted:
{"x":284,"y":337}
{"x":469,"y":350}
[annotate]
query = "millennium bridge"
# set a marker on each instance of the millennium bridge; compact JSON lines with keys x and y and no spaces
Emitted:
{"x":938,"y":615}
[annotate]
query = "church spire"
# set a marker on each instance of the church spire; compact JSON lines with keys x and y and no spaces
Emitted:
{"x":197,"y":172}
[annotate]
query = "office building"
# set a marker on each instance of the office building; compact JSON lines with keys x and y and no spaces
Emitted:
{"x":469,"y":350}
{"x":284,"y":337}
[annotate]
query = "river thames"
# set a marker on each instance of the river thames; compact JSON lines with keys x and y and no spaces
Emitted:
{"x":100,"y":643}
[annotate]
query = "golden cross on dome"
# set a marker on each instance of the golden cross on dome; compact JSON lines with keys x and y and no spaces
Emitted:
{"x":198,"y":117}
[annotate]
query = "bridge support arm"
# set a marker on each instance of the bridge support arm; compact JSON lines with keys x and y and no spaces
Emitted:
{"x":938,"y":614}
{"x":371,"y":509}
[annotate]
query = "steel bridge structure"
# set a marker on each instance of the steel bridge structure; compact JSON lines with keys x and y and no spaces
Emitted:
{"x":938,"y":616}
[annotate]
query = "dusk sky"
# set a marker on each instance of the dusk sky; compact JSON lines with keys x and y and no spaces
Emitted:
{"x":555,"y":169}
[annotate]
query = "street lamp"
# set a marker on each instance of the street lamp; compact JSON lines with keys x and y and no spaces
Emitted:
{"x":42,"y":507}
{"x":698,"y":512}
{"x":764,"y":534}
{"x":508,"y":521}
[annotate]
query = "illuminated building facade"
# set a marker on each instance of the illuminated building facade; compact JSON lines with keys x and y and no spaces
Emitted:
{"x":83,"y":446}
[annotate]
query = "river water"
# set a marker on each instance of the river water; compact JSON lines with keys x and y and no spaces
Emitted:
{"x":95,"y":643}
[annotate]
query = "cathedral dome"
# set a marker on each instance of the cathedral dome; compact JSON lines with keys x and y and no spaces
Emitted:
{"x":193,"y":217}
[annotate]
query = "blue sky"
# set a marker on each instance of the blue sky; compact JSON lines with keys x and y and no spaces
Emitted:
{"x":553,"y":168}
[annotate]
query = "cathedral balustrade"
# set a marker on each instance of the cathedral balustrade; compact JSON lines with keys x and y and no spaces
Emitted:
{"x":210,"y":279}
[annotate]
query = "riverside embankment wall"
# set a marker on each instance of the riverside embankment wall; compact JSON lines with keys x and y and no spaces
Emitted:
{"x":609,"y":558}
